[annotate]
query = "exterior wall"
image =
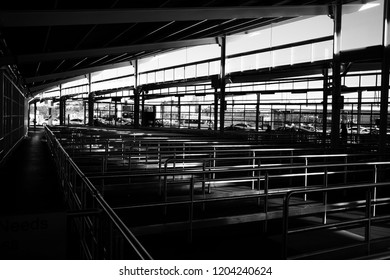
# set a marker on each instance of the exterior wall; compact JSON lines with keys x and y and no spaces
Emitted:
{"x":13,"y":117}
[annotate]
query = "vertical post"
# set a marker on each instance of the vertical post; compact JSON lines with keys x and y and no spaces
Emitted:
{"x":199,"y":115}
{"x":61,"y":108}
{"x":85,"y":112}
{"x":375,"y":181}
{"x":216,"y":109}
{"x":257,"y":111}
{"x":359,"y":111}
{"x":1,"y":114}
{"x":179,"y":110}
{"x":336,"y":77}
{"x":325,"y":196}
{"x":325,"y":107}
{"x":62,"y":113}
{"x":136,"y":95}
{"x":91,"y":101}
{"x":367,"y":233}
{"x":2,"y":109}
{"x":222,"y":84}
{"x":116,"y":110}
{"x":143,"y":119}
{"x":50,"y":113}
{"x":35,"y":114}
{"x":384,"y":78}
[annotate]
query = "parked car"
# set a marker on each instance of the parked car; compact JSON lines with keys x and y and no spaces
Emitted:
{"x":122,"y":121}
{"x":354,"y":130}
{"x":76,"y":121}
{"x":240,"y":127}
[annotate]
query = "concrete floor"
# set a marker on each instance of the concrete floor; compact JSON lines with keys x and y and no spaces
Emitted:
{"x":32,"y":217}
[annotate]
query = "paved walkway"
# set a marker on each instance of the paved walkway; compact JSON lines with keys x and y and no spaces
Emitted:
{"x":32,"y":217}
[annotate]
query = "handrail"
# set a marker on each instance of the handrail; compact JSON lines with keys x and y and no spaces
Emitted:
{"x":193,"y":200}
{"x":200,"y":172}
{"x":124,"y":230}
{"x":362,"y":221}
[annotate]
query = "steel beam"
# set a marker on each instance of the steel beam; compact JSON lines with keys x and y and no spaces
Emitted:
{"x":116,"y":16}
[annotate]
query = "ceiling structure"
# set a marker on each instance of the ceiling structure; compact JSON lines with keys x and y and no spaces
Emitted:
{"x":52,"y":41}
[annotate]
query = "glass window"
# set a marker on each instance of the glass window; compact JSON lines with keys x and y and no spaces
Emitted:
{"x":351,"y":81}
{"x":190,"y":71}
{"x":202,"y":70}
{"x":316,"y":84}
{"x":233,"y":65}
{"x":301,"y":30}
{"x":281,"y":57}
{"x":143,"y":79}
{"x":172,"y":58}
{"x":300,"y":85}
{"x":168,"y":74}
{"x":263,"y":60}
{"x":363,"y":28}
{"x":179,"y":73}
{"x":112,"y":73}
{"x":151,"y":77}
{"x":160,"y":76}
{"x":322,"y":50}
{"x":199,"y":53}
{"x":254,"y":40}
{"x":302,"y":54}
{"x":214,"y":67}
{"x":248,"y":62}
{"x":369,"y":80}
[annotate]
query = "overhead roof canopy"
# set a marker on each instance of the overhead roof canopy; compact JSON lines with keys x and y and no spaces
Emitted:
{"x":53,"y":40}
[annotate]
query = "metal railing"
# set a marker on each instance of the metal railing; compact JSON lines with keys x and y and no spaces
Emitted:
{"x":103,"y":235}
{"x":90,"y":205}
{"x":368,"y":205}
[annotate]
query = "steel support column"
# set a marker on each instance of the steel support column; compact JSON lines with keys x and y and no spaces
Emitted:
{"x":50,"y":121}
{"x":91,"y":101}
{"x":62,"y":112}
{"x":136,"y":95}
{"x":222,"y":84}
{"x":385,"y":78}
{"x":85,"y":112}
{"x":1,"y":115}
{"x":143,"y":108}
{"x":35,"y":114}
{"x":325,"y":106}
{"x":61,"y":108}
{"x":115,"y":111}
{"x":336,"y":77}
{"x":359,"y":111}
{"x":257,"y":111}
{"x":179,"y":110}
{"x":216,"y":98}
{"x":2,"y":109}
